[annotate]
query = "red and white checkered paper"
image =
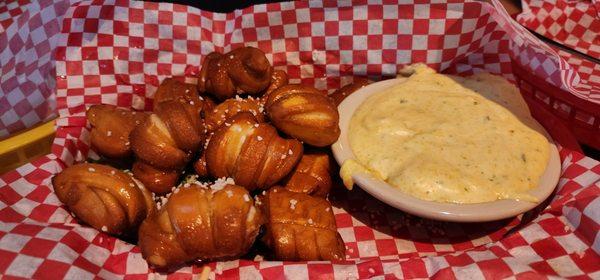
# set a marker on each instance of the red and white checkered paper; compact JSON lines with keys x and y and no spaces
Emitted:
{"x":9,"y":10}
{"x":117,"y":52}
{"x":573,"y":23}
{"x":28,"y":36}
{"x":28,"y":31}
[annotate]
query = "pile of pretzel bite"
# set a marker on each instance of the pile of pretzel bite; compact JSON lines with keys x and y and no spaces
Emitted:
{"x":257,"y":146}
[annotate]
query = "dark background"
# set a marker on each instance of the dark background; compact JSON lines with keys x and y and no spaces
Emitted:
{"x":220,"y":6}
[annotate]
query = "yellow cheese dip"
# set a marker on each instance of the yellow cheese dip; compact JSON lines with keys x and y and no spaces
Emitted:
{"x":434,"y":137}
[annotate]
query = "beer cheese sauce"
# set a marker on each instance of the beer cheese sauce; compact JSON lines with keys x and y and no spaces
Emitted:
{"x":449,"y":139}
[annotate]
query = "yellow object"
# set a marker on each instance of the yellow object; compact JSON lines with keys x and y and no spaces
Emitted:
{"x":448,"y":139}
{"x":26,"y":146}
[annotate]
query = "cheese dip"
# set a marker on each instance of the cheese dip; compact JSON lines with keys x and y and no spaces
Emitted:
{"x":449,"y":139}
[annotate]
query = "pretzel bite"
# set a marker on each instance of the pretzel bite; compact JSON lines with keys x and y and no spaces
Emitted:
{"x":300,"y":227}
{"x":304,"y":113}
{"x":278,"y":79}
{"x":171,"y":89}
{"x":339,"y":95}
{"x":209,"y":105}
{"x":311,"y":176}
{"x":111,"y":127}
{"x":200,"y":223}
{"x":230,"y":108}
{"x":173,"y":133}
{"x":200,"y":166}
{"x":251,"y":153}
{"x":156,"y":180}
{"x":103,"y":197}
{"x":153,"y":143}
{"x":241,"y":71}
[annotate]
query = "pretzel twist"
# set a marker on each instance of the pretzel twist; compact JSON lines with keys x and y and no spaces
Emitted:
{"x":241,"y":71}
{"x":200,"y":223}
{"x":278,"y":79}
{"x":340,"y":94}
{"x":312,"y":175}
{"x":166,"y":141}
{"x":230,"y":108}
{"x":304,"y":113}
{"x":111,"y":127}
{"x":103,"y":197}
{"x":300,"y":227}
{"x":253,"y":154}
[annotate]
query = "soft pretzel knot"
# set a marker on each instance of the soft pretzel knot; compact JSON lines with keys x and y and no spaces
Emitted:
{"x":340,"y":94}
{"x":111,"y":127}
{"x":304,"y":113}
{"x":169,"y":136}
{"x":241,"y":71}
{"x":201,"y":223}
{"x":278,"y":79}
{"x":232,"y":107}
{"x":251,"y":153}
{"x":200,"y":166}
{"x":157,"y":180}
{"x":171,"y":89}
{"x":300,"y":227}
{"x":103,"y":197}
{"x":312,"y":175}
{"x":167,"y":140}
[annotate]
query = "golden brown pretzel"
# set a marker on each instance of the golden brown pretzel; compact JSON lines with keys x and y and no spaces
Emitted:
{"x":209,"y":104}
{"x":200,"y":166}
{"x":253,"y":154}
{"x":278,"y":79}
{"x":155,"y":180}
{"x":300,"y":227}
{"x":111,"y":127}
{"x":243,"y":70}
{"x":312,"y":175}
{"x":230,"y":108}
{"x":171,"y":89}
{"x":167,"y":140}
{"x":339,"y":95}
{"x":201,"y":223}
{"x":103,"y":197}
{"x":304,"y":113}
{"x":172,"y":133}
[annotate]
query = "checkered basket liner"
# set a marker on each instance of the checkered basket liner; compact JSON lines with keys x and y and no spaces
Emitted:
{"x":9,"y":10}
{"x":117,"y":52}
{"x":28,"y":35}
{"x":573,"y":23}
{"x":29,"y":31}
